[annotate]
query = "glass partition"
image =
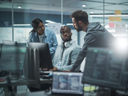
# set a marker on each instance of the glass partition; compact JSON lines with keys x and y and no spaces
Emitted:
{"x":5,"y":21}
{"x":16,"y":16}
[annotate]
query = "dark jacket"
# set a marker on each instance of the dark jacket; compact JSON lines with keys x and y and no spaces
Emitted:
{"x":96,"y":36}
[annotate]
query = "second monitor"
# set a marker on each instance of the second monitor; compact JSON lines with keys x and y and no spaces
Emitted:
{"x":105,"y":67}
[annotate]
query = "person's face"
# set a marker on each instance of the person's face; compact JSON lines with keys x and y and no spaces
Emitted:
{"x":40,"y":28}
{"x":76,"y":25}
{"x":66,"y":35}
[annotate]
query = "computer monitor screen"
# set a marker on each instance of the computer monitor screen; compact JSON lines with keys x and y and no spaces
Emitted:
{"x":104,"y":67}
{"x":12,"y":57}
{"x":67,"y":83}
{"x":45,"y":61}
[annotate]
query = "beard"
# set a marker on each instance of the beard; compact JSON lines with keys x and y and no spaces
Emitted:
{"x":66,"y":39}
{"x":79,"y":28}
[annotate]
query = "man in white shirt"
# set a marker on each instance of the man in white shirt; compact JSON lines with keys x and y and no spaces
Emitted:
{"x":66,"y":53}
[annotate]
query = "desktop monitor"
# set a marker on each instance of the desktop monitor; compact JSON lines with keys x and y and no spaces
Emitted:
{"x":45,"y":61}
{"x":31,"y":66}
{"x":12,"y":58}
{"x":67,"y":83}
{"x":106,"y":68}
{"x":38,"y":57}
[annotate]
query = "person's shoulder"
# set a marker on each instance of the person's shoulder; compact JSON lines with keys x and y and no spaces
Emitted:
{"x":93,"y":26}
{"x":75,"y":45}
{"x":49,"y":31}
{"x":76,"y":49}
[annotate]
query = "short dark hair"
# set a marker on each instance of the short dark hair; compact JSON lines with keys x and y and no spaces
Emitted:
{"x":35,"y":23}
{"x":63,"y":28}
{"x":80,"y":15}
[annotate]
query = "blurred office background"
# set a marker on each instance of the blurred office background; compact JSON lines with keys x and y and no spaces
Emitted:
{"x":16,"y":16}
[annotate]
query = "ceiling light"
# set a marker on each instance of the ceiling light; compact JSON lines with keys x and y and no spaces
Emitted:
{"x":21,"y":25}
{"x":19,"y":7}
{"x":49,"y":21}
{"x":69,"y":24}
{"x":91,"y":12}
{"x":84,"y":5}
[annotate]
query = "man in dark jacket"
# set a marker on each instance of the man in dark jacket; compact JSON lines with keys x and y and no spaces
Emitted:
{"x":96,"y":35}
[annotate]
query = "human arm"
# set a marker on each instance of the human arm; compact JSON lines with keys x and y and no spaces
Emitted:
{"x":66,"y":66}
{"x":54,"y":44}
{"x":30,"y":37}
{"x":89,"y":40}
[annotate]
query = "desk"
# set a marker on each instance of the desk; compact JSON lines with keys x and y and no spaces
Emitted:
{"x":45,"y":81}
{"x":24,"y":82}
{"x":42,"y":93}
{"x":10,"y":87}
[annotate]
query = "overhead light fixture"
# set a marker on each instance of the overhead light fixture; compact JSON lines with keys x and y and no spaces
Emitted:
{"x":83,"y":5}
{"x":21,"y":25}
{"x":69,"y":24}
{"x":91,"y":12}
{"x":49,"y":21}
{"x":19,"y":7}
